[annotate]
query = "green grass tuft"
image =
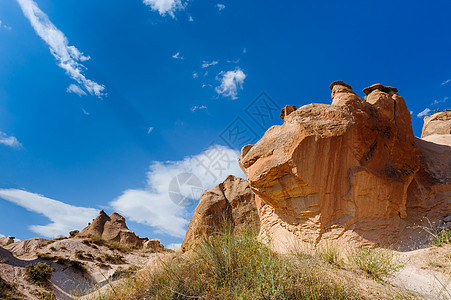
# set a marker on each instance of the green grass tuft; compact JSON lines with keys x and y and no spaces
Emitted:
{"x":378,"y":263}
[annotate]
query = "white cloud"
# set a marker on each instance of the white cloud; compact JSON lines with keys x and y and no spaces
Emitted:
{"x":231,"y":81}
{"x":244,"y":50}
{"x":75,"y":89}
{"x":194,"y":108}
{"x":446,"y":82}
{"x":85,"y":112}
{"x":153,"y":206}
{"x":150,"y":130}
{"x":68,"y":57}
{"x":165,"y":6}
{"x":423,"y":113}
{"x":190,"y":19}
{"x":220,"y":6}
{"x":206,"y":64}
{"x":2,"y":25}
{"x":195,"y":75}
{"x":177,"y":56}
{"x":63,"y":217}
{"x":1,"y":235}
{"x":9,"y":141}
{"x":440,"y":101}
{"x":174,"y":246}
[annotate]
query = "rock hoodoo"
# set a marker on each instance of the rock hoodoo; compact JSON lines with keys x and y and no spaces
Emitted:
{"x":230,"y":202}
{"x":345,"y":170}
{"x":111,"y":228}
{"x":438,"y":123}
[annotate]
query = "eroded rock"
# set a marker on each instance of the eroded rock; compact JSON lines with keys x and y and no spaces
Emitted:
{"x":438,"y":123}
{"x":111,"y":228}
{"x":333,"y":171}
{"x":230,"y":203}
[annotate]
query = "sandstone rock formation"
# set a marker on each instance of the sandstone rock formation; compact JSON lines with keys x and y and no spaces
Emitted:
{"x":111,"y":228}
{"x":6,"y":240}
{"x":229,"y":202}
{"x":438,"y":123}
{"x":153,"y":244}
{"x":345,"y":170}
{"x":286,"y":111}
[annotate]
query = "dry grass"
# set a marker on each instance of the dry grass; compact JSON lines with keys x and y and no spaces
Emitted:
{"x":112,"y":245}
{"x":8,"y":291}
{"x":378,"y":263}
{"x":227,"y":266}
{"x":39,"y":273}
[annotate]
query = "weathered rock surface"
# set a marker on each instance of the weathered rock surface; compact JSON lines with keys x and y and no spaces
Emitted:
{"x":231,"y":202}
{"x":111,"y":228}
{"x":153,"y":244}
{"x":345,"y":171}
{"x":25,"y":246}
{"x":6,"y":240}
{"x":438,"y":123}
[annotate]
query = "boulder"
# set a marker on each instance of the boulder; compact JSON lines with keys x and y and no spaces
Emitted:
{"x":111,"y":228}
{"x":153,"y":244}
{"x":438,"y":123}
{"x":231,"y":203}
{"x":335,"y":171}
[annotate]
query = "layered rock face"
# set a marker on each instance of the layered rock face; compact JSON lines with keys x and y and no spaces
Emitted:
{"x":438,"y":123}
{"x":229,"y":203}
{"x":337,"y":171}
{"x":111,"y":228}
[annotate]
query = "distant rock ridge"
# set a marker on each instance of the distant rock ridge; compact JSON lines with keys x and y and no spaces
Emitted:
{"x":112,"y":228}
{"x":437,"y":123}
{"x":349,"y":171}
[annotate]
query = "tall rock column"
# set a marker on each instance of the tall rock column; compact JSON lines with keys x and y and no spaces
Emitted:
{"x":335,"y":171}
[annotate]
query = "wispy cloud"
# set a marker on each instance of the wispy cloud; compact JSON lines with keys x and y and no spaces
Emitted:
{"x":165,"y":7}
{"x":446,"y":82}
{"x":220,"y":6}
{"x":206,"y":64}
{"x":68,"y":57}
{"x":177,"y":56}
{"x":190,"y":19}
{"x":424,"y":113}
{"x":149,"y":130}
{"x":75,"y":89}
{"x":174,"y":246}
{"x":4,"y":26}
{"x":153,"y":206}
{"x":195,"y":75}
{"x":85,"y":112}
{"x":194,"y":108}
{"x":9,"y":141}
{"x":63,"y":217}
{"x":231,"y":81}
{"x":443,"y":100}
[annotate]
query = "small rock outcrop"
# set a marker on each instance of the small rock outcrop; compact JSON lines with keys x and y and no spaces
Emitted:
{"x":231,"y":202}
{"x":6,"y":240}
{"x":438,"y":123}
{"x":153,"y":244}
{"x":111,"y":228}
{"x":345,"y":171}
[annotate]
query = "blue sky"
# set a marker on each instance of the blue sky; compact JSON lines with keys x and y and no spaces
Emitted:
{"x":103,"y":103}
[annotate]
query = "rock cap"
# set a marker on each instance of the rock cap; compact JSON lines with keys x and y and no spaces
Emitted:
{"x":288,"y":109}
{"x":339,"y":82}
{"x":380,"y":87}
